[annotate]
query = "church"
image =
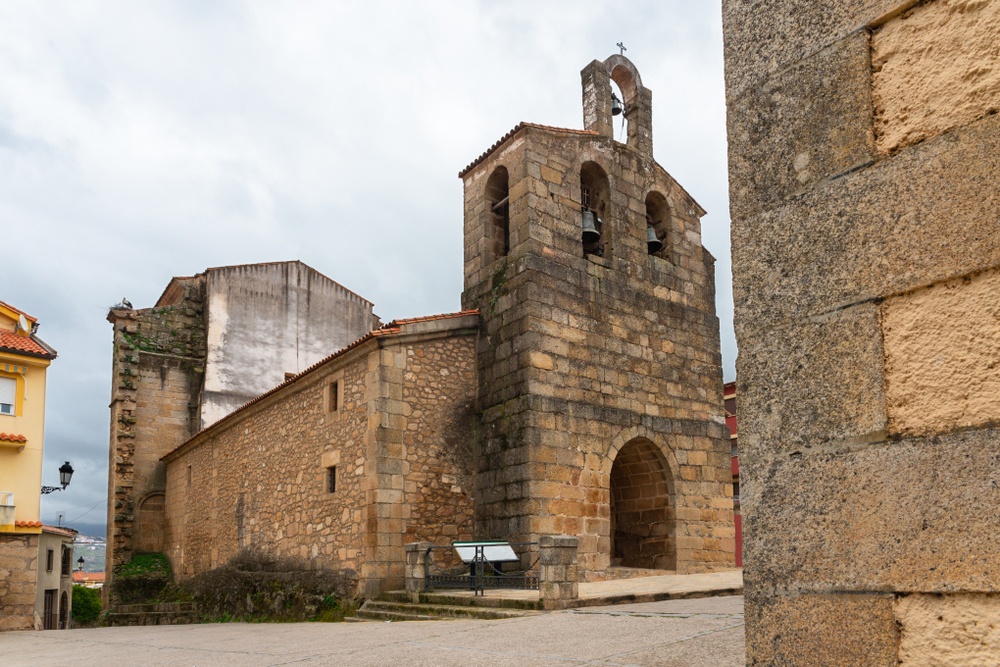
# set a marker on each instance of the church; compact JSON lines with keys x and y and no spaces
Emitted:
{"x":578,"y":391}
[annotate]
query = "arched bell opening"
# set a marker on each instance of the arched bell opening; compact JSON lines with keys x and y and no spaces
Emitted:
{"x":625,"y":79}
{"x":643,"y":531}
{"x":596,"y":233}
{"x":498,"y":200}
{"x":619,"y":113}
{"x":657,"y":225}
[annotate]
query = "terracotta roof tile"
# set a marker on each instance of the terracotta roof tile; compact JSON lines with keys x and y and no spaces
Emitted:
{"x":12,"y":437}
{"x":385,"y":330}
{"x":27,"y":524}
{"x":12,"y":342}
{"x":60,"y":530}
{"x":517,"y":128}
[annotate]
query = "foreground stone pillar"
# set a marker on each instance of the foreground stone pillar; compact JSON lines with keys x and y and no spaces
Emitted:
{"x":864,"y":172}
{"x":416,"y":554}
{"x":558,"y":575}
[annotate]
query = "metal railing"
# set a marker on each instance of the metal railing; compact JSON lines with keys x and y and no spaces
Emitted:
{"x":479,"y":574}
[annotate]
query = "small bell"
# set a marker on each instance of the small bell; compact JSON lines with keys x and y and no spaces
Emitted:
{"x":590,"y":233}
{"x":616,"y":105}
{"x":653,"y":243}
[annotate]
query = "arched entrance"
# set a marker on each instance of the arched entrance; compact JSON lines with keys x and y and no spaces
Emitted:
{"x":642,"y":508}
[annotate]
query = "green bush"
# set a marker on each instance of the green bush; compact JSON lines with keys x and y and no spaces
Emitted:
{"x":259,"y":587}
{"x":86,"y":605}
{"x":142,"y":579}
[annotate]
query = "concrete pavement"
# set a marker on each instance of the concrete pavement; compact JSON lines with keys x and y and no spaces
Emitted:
{"x":703,"y":632}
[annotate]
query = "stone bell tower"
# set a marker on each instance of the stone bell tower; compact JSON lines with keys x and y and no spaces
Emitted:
{"x":599,"y":366}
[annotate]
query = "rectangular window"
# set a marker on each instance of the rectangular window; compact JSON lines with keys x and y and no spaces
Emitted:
{"x":50,"y":557}
{"x":333,"y":397}
{"x":189,"y":476}
{"x":331,"y":479}
{"x":67,"y":564}
{"x":8,"y":389}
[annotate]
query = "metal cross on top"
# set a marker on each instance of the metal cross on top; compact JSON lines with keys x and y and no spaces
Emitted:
{"x":622,"y":47}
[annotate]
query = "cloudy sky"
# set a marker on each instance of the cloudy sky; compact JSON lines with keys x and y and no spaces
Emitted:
{"x":144,"y":140}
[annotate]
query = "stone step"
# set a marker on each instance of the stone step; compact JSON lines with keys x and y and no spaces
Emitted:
{"x":452,"y":599}
{"x":399,"y":611}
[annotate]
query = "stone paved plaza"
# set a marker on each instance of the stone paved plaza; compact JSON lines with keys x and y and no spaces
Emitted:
{"x":694,"y":633}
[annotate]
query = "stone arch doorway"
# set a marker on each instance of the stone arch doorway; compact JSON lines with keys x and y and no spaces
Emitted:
{"x":643,"y":532}
{"x":150,"y":524}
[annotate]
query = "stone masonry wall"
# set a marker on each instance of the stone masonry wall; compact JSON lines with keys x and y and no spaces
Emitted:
{"x":157,"y":363}
{"x":260,"y":482}
{"x":18,"y":574}
{"x":864,"y":181}
{"x":582,"y":356}
{"x":398,"y":440}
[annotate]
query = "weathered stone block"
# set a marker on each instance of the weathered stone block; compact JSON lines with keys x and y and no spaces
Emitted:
{"x":948,"y":629}
{"x":895,"y":516}
{"x":942,"y":347}
{"x":936,"y":67}
{"x":872,"y":233}
{"x":814,"y":382}
{"x":822,"y":630}
{"x":765,"y":37}
{"x":808,"y":123}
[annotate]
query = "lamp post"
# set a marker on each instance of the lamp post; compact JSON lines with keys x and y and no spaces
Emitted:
{"x":65,"y":475}
{"x":79,"y":564}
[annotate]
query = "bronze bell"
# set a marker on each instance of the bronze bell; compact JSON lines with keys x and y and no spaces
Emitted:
{"x":616,"y":105}
{"x":590,"y":233}
{"x":653,"y":243}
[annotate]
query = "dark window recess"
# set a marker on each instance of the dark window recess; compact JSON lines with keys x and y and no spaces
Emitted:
{"x":50,"y":559}
{"x":67,"y":565}
{"x":331,"y":479}
{"x":334,"y":399}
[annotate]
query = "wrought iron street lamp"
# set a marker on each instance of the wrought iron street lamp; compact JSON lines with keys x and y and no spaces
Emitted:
{"x":65,"y":475}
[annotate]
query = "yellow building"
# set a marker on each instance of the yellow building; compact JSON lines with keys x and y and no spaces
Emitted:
{"x":24,"y":604}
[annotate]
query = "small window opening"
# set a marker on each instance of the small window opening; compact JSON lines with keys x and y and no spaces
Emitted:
{"x":189,"y":475}
{"x":331,"y":479}
{"x":50,"y":558}
{"x":333,"y":397}
{"x":498,"y":198}
{"x":67,"y":565}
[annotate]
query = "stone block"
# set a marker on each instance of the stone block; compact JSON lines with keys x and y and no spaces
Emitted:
{"x":948,"y":629}
{"x":936,"y":67}
{"x":765,"y":37}
{"x":872,"y":233}
{"x":821,"y":630}
{"x":897,"y":516}
{"x":808,"y":123}
{"x":942,"y":347}
{"x":817,"y":381}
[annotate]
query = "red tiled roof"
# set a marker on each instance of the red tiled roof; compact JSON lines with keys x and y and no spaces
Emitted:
{"x":517,"y":128}
{"x":88,"y":577}
{"x":60,"y":530}
{"x":384,"y":330}
{"x":13,"y":437}
{"x":27,"y":524}
{"x":13,"y":342}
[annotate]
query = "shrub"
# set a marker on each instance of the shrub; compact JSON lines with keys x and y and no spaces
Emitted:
{"x":86,"y":605}
{"x":258,"y":587}
{"x":142,"y":579}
